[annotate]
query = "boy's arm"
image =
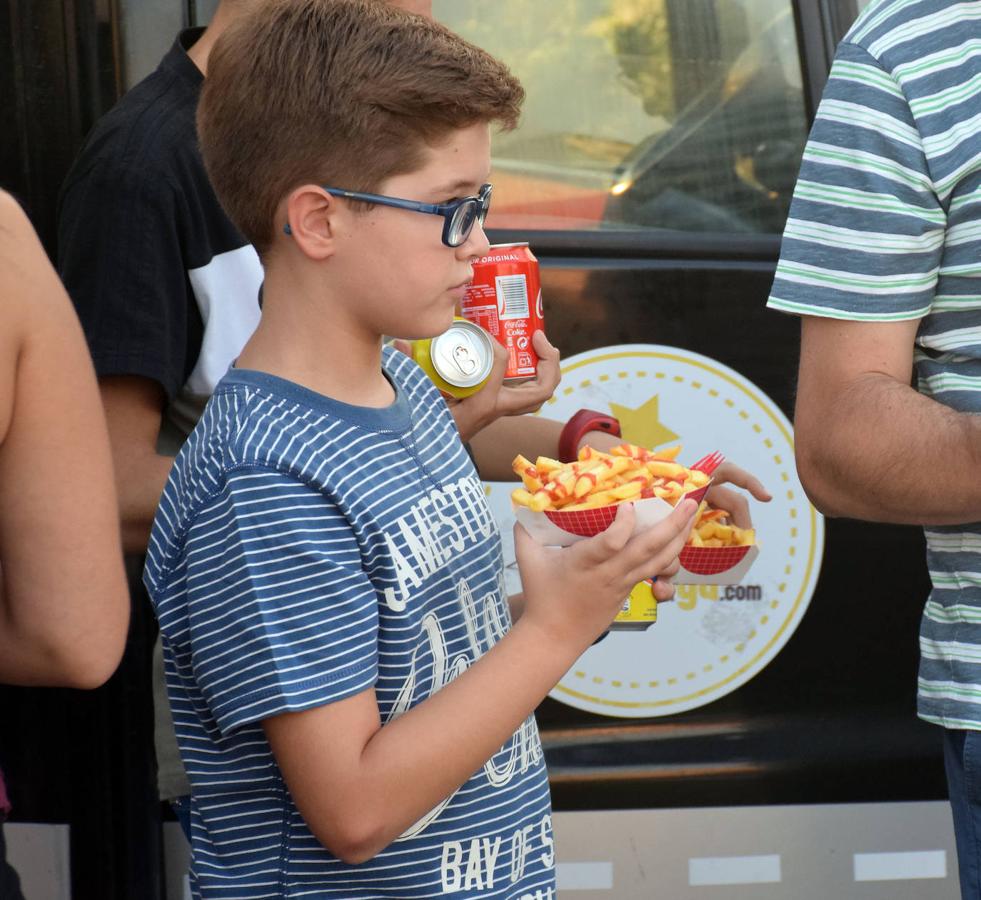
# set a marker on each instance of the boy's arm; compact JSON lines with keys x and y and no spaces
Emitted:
{"x":64,"y":607}
{"x":359,"y":785}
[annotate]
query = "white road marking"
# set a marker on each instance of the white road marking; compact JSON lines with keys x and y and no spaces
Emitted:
{"x":584,"y":876}
{"x":900,"y":866}
{"x":734,"y":870}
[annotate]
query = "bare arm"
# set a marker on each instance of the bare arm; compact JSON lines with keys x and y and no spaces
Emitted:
{"x":868,"y":445}
{"x":64,"y":606}
{"x":360,"y":785}
{"x":133,"y":407}
{"x":497,"y":445}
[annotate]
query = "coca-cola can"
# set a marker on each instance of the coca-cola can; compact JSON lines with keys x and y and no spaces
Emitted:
{"x":505,"y":299}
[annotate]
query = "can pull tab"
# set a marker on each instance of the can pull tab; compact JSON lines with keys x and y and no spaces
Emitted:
{"x":464,"y":359}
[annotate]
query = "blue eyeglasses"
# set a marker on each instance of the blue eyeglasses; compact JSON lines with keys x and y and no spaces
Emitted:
{"x":459,"y":216}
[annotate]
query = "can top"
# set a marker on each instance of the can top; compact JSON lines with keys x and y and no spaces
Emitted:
{"x":463,"y":354}
{"x":512,"y":252}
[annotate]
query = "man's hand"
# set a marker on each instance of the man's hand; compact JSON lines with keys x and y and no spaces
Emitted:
{"x":732,"y":501}
{"x":496,"y":398}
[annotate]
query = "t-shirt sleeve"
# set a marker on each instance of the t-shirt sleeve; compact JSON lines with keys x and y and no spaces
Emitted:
{"x":121,"y":259}
{"x":865,"y":233}
{"x":280,"y":613}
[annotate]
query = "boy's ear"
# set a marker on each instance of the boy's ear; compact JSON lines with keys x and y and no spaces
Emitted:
{"x":311,"y":214}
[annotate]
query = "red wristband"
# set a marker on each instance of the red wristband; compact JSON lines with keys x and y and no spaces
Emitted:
{"x":579,"y":426}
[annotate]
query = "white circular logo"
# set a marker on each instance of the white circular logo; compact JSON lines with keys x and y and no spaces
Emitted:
{"x":712,"y":638}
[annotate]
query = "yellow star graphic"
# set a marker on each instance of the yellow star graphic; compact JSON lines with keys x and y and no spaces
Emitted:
{"x":641,"y":426}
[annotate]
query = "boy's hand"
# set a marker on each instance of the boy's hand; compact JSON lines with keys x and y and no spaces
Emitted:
{"x":495,"y":398}
{"x":573,"y":593}
{"x":734,"y":502}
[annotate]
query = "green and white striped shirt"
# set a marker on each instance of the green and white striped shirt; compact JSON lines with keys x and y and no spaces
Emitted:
{"x":886,"y":226}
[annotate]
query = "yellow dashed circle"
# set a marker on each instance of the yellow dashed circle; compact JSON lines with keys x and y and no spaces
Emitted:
{"x":785,"y":477}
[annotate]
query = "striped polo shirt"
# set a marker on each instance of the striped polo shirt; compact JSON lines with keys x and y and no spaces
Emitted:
{"x":306,"y":550}
{"x":885,"y":225}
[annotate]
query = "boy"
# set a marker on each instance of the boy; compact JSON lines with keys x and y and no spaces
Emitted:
{"x":166,"y":288}
{"x":353,"y":704}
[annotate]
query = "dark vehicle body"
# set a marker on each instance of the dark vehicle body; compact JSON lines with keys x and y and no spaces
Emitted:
{"x":830,"y":720}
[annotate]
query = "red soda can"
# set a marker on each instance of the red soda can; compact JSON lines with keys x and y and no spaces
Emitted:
{"x":505,"y":298}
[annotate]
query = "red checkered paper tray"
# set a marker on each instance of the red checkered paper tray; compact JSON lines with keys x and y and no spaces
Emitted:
{"x":558,"y":528}
{"x":715,"y":565}
{"x":587,"y":494}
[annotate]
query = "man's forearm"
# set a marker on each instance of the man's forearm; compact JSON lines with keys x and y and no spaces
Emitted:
{"x":889,"y":454}
{"x":134,"y":406}
{"x":496,"y":446}
{"x":139,"y":485}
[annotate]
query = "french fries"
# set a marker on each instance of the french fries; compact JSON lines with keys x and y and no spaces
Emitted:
{"x":595,"y":479}
{"x":627,"y":472}
{"x":713,"y":529}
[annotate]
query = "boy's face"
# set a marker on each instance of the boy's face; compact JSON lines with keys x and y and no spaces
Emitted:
{"x":400,"y":277}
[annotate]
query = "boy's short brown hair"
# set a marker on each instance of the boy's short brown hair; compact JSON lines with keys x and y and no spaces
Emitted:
{"x":339,"y":92}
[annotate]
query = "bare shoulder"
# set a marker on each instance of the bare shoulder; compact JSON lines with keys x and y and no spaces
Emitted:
{"x":15,"y":230}
{"x":36,"y":305}
{"x":30,"y":286}
{"x":40,"y":335}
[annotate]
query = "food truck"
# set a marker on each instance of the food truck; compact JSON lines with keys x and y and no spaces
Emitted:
{"x":760,"y":738}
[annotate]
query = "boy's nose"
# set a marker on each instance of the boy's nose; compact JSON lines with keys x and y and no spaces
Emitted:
{"x":476,"y":244}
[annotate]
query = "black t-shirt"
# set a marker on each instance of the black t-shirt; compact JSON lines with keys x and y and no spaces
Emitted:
{"x":165,"y":285}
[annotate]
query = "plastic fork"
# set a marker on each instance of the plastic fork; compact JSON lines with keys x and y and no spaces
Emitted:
{"x":708,"y":464}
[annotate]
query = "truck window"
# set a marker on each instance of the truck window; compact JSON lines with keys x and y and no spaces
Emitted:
{"x":686,"y":115}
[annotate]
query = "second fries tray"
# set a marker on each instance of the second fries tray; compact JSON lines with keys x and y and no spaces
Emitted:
{"x":715,"y":565}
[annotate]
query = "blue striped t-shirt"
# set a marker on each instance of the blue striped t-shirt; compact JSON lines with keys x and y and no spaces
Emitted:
{"x":885,"y":225}
{"x":306,"y":550}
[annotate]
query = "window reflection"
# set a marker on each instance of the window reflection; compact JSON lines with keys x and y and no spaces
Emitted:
{"x":667,"y":114}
